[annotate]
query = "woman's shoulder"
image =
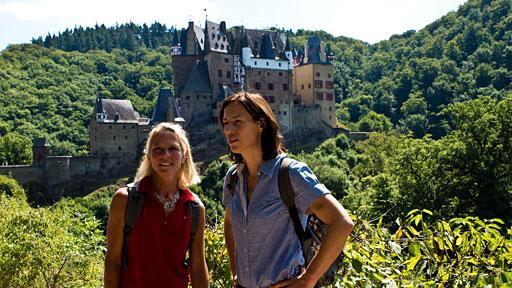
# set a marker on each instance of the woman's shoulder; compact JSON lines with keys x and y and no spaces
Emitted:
{"x":188,"y":195}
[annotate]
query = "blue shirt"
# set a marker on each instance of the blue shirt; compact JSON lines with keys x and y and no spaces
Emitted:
{"x":267,"y":248}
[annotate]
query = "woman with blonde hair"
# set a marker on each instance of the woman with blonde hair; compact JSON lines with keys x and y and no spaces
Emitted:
{"x":162,"y":232}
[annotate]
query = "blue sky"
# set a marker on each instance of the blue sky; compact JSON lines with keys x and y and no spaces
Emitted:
{"x":367,"y":20}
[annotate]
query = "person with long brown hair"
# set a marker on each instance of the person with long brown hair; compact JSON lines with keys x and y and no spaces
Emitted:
{"x":262,"y":244}
{"x":161,"y":236}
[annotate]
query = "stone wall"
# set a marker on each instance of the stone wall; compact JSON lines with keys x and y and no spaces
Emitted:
{"x":118,"y":140}
{"x":24,"y":174}
{"x":220,"y":67}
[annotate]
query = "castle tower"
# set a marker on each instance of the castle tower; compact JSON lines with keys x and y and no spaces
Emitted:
{"x":314,"y":81}
{"x":40,"y":150}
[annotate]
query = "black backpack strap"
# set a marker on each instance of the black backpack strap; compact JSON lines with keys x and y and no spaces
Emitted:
{"x":193,"y":207}
{"x":132,"y":211}
{"x":288,"y":196}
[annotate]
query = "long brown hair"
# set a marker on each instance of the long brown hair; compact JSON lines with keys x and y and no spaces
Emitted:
{"x":271,"y":139}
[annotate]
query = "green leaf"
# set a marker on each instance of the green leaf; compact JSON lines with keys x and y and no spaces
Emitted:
{"x":411,"y":263}
{"x":414,"y":249}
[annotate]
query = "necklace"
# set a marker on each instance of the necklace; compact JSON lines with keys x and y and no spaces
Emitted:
{"x":171,"y":204}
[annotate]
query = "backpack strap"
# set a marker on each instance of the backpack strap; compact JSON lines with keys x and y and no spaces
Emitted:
{"x":193,"y":207}
{"x":132,"y":211}
{"x":233,"y":180}
{"x":288,"y":196}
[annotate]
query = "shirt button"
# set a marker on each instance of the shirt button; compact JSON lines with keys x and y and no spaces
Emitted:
{"x":165,"y":222}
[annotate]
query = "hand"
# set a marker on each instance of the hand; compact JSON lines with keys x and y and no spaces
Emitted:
{"x":302,"y":281}
{"x":235,"y":281}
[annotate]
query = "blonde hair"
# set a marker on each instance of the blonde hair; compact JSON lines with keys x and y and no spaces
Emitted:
{"x":187,"y":175}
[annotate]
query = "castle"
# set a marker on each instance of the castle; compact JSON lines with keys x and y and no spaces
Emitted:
{"x":208,"y":65}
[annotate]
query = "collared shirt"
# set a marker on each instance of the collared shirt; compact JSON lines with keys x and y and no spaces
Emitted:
{"x":267,"y":247}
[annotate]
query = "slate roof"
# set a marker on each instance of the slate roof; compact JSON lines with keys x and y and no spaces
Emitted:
{"x":255,"y":39}
{"x":198,"y":31}
{"x":122,"y":108}
{"x":199,"y":80}
{"x":162,"y":106}
{"x":314,"y":50}
{"x":217,"y":38}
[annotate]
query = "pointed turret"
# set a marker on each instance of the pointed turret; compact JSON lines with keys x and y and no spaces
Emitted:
{"x":267,"y":50}
{"x":175,"y":38}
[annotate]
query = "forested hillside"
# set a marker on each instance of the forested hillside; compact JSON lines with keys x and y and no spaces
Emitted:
{"x":49,"y":92}
{"x":430,"y":191}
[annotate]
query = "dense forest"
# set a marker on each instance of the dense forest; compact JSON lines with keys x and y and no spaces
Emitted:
{"x":430,"y":190}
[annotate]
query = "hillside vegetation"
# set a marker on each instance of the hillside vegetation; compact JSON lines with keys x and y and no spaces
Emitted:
{"x":430,"y":191}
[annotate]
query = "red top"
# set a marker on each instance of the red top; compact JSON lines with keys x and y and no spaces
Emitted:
{"x":156,"y":253}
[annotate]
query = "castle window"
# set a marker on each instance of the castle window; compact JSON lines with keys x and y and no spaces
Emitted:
{"x":133,"y":126}
{"x":284,"y":113}
{"x":228,"y":74}
{"x":309,"y":85}
{"x":187,"y":97}
{"x":211,"y":97}
{"x":285,"y":87}
{"x":204,"y":96}
{"x":279,"y":64}
{"x":125,"y":137}
{"x":118,"y":149}
{"x":218,"y":37}
{"x":319,"y":84}
{"x":255,"y":64}
{"x":268,"y":73}
{"x":302,"y":86}
{"x":222,"y":46}
{"x":114,"y":137}
{"x":226,"y":60}
{"x":271,"y":99}
{"x":320,"y":96}
{"x":257,"y":85}
{"x":329,"y":85}
{"x":124,"y":126}
{"x":223,"y":38}
{"x":280,"y":73}
{"x":197,"y":97}
{"x":216,"y":45}
{"x":110,"y":127}
{"x":329,"y":97}
{"x":328,"y":75}
{"x":259,"y":73}
{"x":330,"y":108}
{"x":279,"y":112}
{"x":219,"y":73}
{"x":317,"y":74}
{"x":270,"y":86}
{"x":267,"y":63}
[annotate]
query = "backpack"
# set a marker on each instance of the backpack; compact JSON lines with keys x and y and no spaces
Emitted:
{"x":133,"y":208}
{"x":311,"y":237}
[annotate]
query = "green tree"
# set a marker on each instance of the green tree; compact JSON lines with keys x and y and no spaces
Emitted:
{"x":15,"y":149}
